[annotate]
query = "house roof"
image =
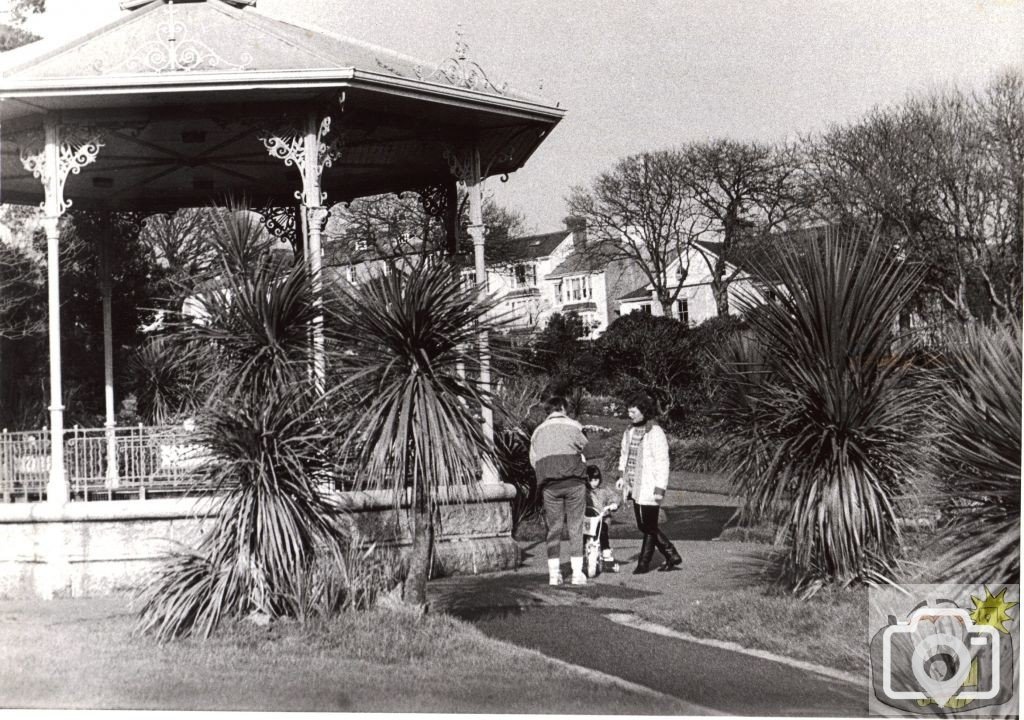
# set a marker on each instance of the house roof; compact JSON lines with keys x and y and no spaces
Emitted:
{"x":533,"y":247}
{"x":587,"y":262}
{"x":760,"y":258}
{"x":641,"y":293}
{"x":755,"y":260}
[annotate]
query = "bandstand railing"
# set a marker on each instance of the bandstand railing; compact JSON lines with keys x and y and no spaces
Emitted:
{"x":103,"y":463}
{"x":24,"y":465}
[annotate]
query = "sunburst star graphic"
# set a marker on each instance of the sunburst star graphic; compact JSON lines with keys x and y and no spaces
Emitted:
{"x":992,"y":610}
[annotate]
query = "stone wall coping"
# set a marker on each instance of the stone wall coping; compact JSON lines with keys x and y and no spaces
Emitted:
{"x":384,"y":500}
{"x":159,"y":508}
{"x":99,"y":510}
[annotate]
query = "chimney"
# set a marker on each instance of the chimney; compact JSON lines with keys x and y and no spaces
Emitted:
{"x":578,"y":227}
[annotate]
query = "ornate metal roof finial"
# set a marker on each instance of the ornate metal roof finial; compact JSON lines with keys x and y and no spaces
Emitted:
{"x":461,"y":46}
{"x":458,"y":70}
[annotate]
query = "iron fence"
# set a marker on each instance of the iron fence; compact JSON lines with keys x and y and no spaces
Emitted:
{"x":24,"y":465}
{"x":102,"y":463}
{"x":131,"y":461}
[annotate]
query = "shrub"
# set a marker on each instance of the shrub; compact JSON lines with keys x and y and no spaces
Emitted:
{"x":823,"y":419}
{"x":652,"y":354}
{"x":513,"y":427}
{"x":261,"y":426}
{"x":699,"y":453}
{"x":352,"y":580}
{"x":979,"y":453}
{"x":412,"y":376}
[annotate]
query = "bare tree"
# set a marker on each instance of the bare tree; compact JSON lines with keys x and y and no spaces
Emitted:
{"x":969,"y":210}
{"x":744,"y":191}
{"x":1001,"y":116}
{"x":642,"y":211}
{"x":13,"y":34}
{"x":941,"y":176}
{"x":392,"y":227}
{"x":180,"y":242}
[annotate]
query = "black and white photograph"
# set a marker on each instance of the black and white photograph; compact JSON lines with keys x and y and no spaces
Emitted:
{"x":511,"y":357}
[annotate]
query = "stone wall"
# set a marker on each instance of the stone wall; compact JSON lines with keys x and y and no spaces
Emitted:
{"x":95,"y":548}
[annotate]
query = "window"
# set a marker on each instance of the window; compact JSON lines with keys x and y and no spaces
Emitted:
{"x":646,"y":309}
{"x":362,"y":245}
{"x":576,"y":289}
{"x":524,"y":276}
{"x":683,"y":312}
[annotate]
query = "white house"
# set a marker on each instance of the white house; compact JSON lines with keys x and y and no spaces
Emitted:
{"x":518,"y":276}
{"x":696,"y":300}
{"x":588,"y":283}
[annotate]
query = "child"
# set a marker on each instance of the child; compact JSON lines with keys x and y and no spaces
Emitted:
{"x":600,"y":499}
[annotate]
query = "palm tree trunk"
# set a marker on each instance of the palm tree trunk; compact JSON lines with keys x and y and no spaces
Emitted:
{"x":422,"y":548}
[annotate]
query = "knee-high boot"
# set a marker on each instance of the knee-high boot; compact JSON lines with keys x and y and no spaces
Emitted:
{"x":667,"y":549}
{"x":643,"y":563}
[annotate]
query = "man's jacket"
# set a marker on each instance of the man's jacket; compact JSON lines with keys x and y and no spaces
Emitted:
{"x":556,"y":449}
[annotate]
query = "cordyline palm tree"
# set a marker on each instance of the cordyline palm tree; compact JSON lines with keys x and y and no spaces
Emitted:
{"x":980,"y":453}
{"x":822,"y":411}
{"x":411,"y":371}
{"x":261,"y":426}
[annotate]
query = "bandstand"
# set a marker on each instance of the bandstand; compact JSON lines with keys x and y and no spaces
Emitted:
{"x":181,"y":104}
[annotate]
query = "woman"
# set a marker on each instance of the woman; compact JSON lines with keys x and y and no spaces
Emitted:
{"x":643,"y":468}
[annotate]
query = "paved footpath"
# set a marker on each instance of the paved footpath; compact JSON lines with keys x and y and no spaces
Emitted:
{"x":585,"y":626}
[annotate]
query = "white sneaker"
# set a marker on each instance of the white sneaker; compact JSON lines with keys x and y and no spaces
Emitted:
{"x":555,"y":579}
{"x":579,"y":579}
{"x":554,"y":571}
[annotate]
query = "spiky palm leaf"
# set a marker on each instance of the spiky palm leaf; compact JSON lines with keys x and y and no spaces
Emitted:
{"x":262,"y":428}
{"x":412,"y":373}
{"x":163,"y":381}
{"x":980,"y":452}
{"x":822,"y":417}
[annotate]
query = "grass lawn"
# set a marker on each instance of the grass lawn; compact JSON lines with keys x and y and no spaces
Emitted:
{"x":829,"y":629}
{"x":739,"y":606}
{"x":82,"y":654}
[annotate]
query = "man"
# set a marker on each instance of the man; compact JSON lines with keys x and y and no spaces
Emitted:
{"x":556,"y":453}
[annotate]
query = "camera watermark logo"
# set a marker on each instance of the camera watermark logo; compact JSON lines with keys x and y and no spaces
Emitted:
{"x":943,"y":650}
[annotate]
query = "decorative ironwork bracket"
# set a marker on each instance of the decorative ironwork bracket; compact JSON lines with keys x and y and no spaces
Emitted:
{"x":460,"y":162}
{"x":434,"y":200}
{"x":79,"y":147}
{"x":441,"y":202}
{"x":289,"y":145}
{"x":173,"y":50}
{"x":282,"y":224}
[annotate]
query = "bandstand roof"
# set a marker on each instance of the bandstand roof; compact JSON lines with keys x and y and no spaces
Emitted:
{"x":181,"y":93}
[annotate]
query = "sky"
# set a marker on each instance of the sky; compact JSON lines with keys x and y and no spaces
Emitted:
{"x":651,"y":74}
